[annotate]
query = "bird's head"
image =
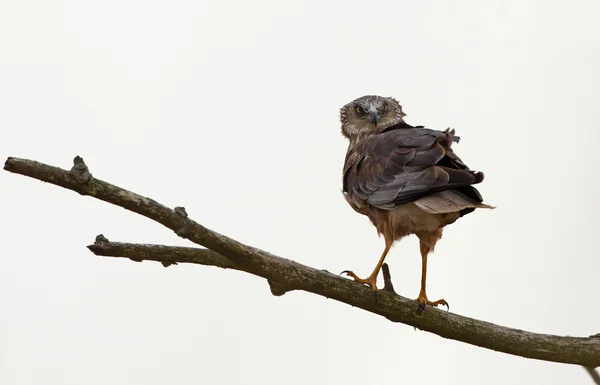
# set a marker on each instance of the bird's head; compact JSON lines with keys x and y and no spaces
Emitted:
{"x":369,"y":114}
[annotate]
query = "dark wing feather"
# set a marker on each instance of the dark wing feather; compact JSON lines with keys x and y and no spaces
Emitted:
{"x":404,"y":164}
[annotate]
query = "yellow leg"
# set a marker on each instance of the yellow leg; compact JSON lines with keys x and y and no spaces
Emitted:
{"x":371,"y":280}
{"x":422,"y":298}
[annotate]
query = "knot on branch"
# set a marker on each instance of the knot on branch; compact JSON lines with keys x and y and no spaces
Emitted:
{"x":182,"y":232}
{"x":278,"y":288}
{"x":180,"y":210}
{"x":80,"y":171}
{"x":167,"y":264}
{"x":100,"y":238}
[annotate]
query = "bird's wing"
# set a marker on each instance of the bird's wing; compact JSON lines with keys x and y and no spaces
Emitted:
{"x":402,"y":165}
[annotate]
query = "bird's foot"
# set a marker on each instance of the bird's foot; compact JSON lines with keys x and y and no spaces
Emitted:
{"x":422,"y":300}
{"x":370,"y":281}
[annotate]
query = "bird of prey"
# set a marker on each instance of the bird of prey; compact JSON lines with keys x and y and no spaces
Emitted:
{"x":406,"y":179}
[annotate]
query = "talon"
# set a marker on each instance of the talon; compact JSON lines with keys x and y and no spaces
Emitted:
{"x":422,"y":300}
{"x":371,"y":281}
{"x":351,"y":274}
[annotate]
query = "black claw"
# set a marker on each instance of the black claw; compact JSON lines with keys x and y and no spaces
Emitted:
{"x":447,"y":306}
{"x":421,"y":308}
{"x":345,"y":272}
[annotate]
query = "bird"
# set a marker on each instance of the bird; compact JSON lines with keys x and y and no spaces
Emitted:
{"x":405,"y":179}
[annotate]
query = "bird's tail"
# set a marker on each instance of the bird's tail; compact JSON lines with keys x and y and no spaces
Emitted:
{"x":449,"y":201}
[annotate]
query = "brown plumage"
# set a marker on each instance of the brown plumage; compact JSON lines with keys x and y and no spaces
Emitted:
{"x":406,"y":179}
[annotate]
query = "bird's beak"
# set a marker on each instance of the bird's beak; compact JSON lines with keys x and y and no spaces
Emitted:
{"x":374,"y":118}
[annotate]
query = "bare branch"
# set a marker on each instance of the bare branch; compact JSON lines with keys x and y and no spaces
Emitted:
{"x":167,"y":255}
{"x":285,"y":275}
{"x":594,"y":374}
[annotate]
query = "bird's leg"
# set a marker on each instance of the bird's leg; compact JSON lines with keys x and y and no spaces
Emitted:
{"x":371,"y":280}
{"x":422,"y":298}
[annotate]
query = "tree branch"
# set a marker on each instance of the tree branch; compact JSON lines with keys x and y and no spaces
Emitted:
{"x":594,"y":374}
{"x":286,"y":275}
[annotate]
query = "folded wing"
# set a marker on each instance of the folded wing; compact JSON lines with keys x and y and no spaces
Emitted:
{"x":405,"y":164}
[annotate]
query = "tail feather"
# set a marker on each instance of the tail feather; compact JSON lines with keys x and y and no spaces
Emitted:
{"x":449,"y":201}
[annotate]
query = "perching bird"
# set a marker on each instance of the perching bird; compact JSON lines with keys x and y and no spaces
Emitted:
{"x":406,"y":179}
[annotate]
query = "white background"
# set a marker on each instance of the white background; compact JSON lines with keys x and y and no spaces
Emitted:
{"x":231,"y":109}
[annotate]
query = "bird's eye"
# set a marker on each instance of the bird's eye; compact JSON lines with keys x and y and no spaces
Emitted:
{"x":359,"y":110}
{"x":385,"y":107}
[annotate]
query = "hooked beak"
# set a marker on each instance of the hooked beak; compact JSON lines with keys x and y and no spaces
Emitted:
{"x":374,"y":118}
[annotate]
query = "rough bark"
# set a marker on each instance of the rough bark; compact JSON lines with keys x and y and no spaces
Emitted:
{"x":285,"y":275}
